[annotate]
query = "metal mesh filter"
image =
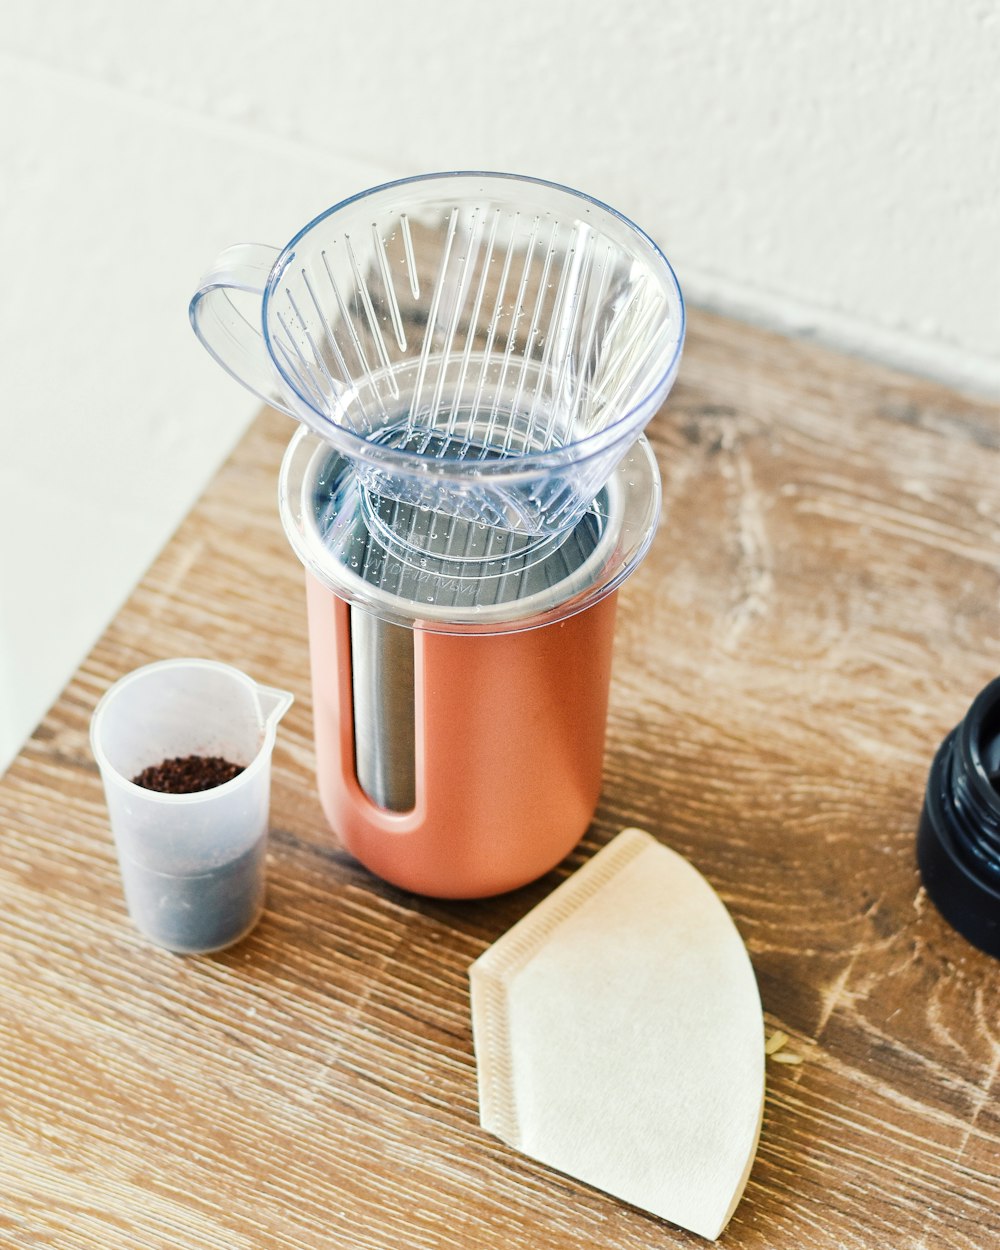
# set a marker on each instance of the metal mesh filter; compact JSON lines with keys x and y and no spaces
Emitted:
{"x":427,"y":557}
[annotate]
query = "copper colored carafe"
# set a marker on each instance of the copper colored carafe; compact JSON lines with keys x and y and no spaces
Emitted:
{"x":459,"y":713}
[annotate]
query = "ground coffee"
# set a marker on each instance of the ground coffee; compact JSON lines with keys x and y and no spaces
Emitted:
{"x":219,"y":898}
{"x":187,"y":775}
{"x":202,"y":912}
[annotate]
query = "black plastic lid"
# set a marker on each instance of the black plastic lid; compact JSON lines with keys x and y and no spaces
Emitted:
{"x":958,"y":840}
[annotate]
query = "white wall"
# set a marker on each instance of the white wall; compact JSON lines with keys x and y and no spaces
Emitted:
{"x":829,"y":168}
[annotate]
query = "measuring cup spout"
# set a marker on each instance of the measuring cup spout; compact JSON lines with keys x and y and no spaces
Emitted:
{"x":273,"y":703}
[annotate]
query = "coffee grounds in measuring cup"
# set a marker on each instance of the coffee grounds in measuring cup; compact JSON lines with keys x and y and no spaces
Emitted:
{"x":188,"y":774}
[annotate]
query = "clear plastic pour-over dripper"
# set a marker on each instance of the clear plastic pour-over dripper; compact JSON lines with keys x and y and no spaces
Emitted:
{"x":483,"y":346}
{"x":193,"y":865}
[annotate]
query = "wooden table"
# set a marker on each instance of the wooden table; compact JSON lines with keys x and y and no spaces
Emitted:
{"x":819,"y":608}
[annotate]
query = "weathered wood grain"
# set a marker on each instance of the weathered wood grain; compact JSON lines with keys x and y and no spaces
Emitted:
{"x":818,"y":609}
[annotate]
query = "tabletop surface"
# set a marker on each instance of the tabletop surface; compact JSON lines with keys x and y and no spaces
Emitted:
{"x":818,"y":609}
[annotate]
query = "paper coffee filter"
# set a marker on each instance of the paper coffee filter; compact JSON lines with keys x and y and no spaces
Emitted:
{"x":619,"y":1036}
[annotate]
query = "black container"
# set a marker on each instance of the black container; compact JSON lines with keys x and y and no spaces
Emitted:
{"x":958,"y":841}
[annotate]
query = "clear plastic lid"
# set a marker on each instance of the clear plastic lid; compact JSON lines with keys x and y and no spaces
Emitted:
{"x":428,"y":570}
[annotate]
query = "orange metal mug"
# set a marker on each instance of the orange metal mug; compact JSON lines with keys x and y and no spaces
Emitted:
{"x":459,"y":703}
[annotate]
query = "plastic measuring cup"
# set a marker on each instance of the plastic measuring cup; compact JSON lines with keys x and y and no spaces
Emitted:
{"x":192,"y":865}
